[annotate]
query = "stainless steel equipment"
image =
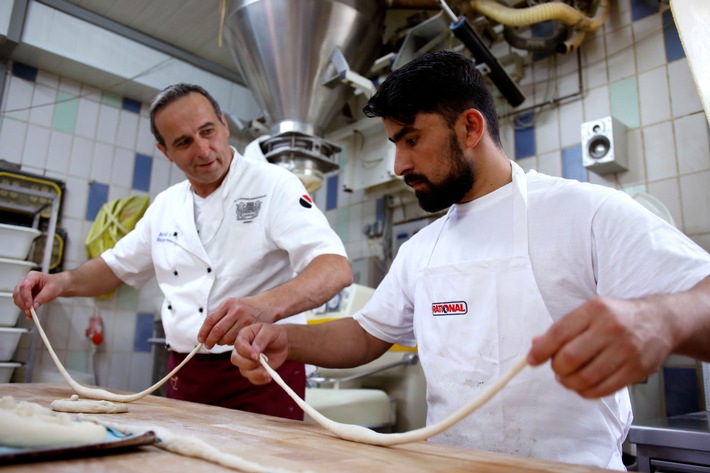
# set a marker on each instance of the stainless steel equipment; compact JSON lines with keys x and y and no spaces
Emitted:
{"x":293,"y":55}
{"x":673,"y":444}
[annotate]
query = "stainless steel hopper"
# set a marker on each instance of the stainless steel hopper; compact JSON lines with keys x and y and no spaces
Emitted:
{"x":288,"y":52}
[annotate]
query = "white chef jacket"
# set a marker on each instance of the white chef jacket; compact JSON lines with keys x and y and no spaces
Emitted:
{"x":266,"y":230}
{"x":584,"y":241}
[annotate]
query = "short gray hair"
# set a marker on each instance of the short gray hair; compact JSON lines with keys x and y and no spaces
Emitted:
{"x":170,"y":94}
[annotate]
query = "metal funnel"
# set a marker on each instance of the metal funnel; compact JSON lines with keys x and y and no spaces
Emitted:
{"x":284,"y":50}
{"x":291,"y":53}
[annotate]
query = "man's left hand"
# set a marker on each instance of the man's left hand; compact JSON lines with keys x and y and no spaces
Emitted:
{"x":604,"y":345}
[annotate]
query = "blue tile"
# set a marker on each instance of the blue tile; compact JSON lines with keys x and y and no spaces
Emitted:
{"x":98,"y":196}
{"x":524,"y":135}
{"x":144,"y":330}
{"x":681,"y":389}
{"x":640,"y":9}
{"x":23,"y":71}
{"x":131,"y":105}
{"x":674,"y":48}
{"x":142,"y":169}
{"x":572,"y":164}
{"x":331,"y":199}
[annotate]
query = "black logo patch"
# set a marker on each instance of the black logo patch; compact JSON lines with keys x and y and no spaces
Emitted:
{"x":306,"y":201}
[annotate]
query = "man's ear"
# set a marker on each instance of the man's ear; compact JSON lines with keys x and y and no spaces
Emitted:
{"x":475,"y":126}
{"x":223,"y":119}
{"x":164,"y":151}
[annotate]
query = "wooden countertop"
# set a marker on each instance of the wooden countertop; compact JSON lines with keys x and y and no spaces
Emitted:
{"x":269,"y":441}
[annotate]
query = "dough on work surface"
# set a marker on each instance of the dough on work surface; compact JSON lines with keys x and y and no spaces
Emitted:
{"x":26,"y":424}
{"x":88,"y":406}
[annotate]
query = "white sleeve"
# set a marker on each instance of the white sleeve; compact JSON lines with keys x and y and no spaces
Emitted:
{"x":131,"y":257}
{"x":297,"y":226}
{"x":636,"y":253}
{"x":389,"y":314}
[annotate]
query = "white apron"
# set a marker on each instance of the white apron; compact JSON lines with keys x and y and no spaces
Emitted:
{"x":472,"y":320}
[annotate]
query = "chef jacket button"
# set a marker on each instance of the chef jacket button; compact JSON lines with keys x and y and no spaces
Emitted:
{"x":175,"y":234}
{"x":175,"y":272}
{"x":170,"y":307}
{"x":201,"y":310}
{"x":167,"y":346}
{"x":209,"y":270}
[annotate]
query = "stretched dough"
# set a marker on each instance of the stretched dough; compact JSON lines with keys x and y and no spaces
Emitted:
{"x":96,"y":393}
{"x":195,"y":447}
{"x":88,"y":406}
{"x":26,"y":424}
{"x":358,"y":433}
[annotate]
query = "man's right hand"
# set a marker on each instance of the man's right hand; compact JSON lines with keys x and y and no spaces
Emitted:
{"x":252,"y":341}
{"x":35,"y":289}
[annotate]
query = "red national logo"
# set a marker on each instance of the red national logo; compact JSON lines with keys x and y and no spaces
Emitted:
{"x":449,"y":308}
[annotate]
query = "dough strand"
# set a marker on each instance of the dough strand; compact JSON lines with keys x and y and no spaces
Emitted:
{"x":358,"y":433}
{"x":102,"y":394}
{"x":83,"y":406}
{"x":191,"y":446}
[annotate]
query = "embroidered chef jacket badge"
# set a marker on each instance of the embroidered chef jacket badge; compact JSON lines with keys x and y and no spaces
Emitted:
{"x":248,"y":208}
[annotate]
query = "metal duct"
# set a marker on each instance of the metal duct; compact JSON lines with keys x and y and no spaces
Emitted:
{"x":286,"y":50}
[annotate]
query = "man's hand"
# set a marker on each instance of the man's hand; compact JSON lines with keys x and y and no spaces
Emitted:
{"x":604,"y":345}
{"x":224,"y":323}
{"x":269,"y":339}
{"x":35,"y":289}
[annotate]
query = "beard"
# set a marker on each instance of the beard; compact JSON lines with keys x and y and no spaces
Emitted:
{"x":441,"y":195}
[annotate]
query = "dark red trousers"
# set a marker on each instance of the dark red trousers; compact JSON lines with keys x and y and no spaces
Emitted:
{"x":214,"y":380}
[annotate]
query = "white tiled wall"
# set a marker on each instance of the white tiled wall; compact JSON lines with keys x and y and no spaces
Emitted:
{"x":669,"y":153}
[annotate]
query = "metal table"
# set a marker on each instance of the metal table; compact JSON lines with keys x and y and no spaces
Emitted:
{"x":678,"y":444}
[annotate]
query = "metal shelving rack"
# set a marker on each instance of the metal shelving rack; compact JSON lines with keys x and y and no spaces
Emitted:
{"x":39,"y":201}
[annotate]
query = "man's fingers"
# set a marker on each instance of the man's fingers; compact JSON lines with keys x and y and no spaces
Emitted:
{"x":598,"y":366}
{"x":558,"y":335}
{"x":231,"y":335}
{"x":215,"y":326}
{"x":577,"y":353}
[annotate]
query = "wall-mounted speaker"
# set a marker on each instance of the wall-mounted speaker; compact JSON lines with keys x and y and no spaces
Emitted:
{"x":604,"y":146}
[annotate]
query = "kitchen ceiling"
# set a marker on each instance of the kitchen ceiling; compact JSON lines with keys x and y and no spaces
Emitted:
{"x":189,"y":25}
{"x":186,"y":30}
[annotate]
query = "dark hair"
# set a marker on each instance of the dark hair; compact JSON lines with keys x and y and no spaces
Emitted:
{"x":442,"y":82}
{"x":170,"y":94}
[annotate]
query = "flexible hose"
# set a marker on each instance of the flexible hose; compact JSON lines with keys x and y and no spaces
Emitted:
{"x":566,"y":14}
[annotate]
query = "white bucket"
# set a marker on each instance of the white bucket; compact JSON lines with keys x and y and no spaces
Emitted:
{"x":9,"y":338}
{"x":9,"y":312}
{"x":6,"y":370}
{"x":16,"y":240}
{"x":11,"y":271}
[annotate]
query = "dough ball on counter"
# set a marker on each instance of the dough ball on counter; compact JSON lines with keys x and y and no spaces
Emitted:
{"x":88,"y":406}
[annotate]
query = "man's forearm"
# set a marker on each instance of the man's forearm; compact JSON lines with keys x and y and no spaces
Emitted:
{"x":93,"y":278}
{"x":691,"y":314}
{"x":338,"y":344}
{"x":320,"y":281}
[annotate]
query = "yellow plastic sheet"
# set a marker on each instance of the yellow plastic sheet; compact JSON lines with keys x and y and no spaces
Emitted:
{"x":115,"y":219}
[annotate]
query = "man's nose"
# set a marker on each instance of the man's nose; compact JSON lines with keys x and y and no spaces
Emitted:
{"x":402,"y":162}
{"x":202,"y":147}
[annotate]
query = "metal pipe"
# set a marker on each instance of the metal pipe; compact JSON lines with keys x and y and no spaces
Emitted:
{"x":409,"y":359}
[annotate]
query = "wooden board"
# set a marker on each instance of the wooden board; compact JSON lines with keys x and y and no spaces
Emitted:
{"x":271,"y":441}
{"x":692,"y":19}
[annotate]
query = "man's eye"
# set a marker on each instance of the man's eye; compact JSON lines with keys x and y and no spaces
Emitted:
{"x":411,"y":141}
